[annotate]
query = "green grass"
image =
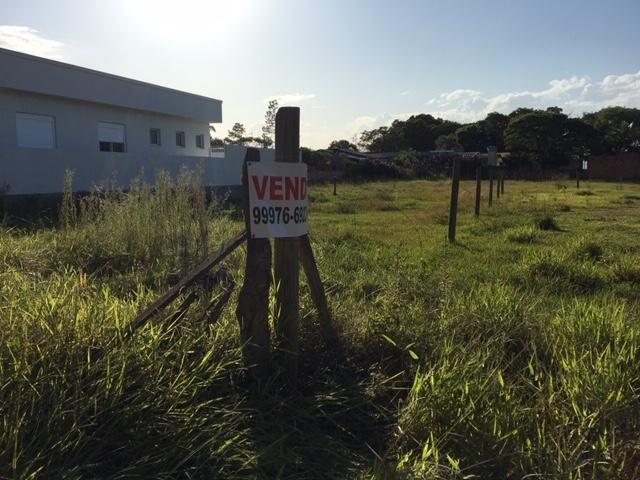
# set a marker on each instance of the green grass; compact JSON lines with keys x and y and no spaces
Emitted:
{"x":514,"y":352}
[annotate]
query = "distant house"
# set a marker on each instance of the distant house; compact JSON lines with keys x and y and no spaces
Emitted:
{"x":55,"y":116}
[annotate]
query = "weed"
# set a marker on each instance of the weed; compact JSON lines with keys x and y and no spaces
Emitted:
{"x":588,"y":250}
{"x":523,"y":234}
{"x":547,"y":222}
{"x":344,"y":208}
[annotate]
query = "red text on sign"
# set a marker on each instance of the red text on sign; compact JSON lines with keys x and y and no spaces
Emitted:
{"x":280,"y":187}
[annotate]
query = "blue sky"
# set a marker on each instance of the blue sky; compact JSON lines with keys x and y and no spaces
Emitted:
{"x":350,"y":64}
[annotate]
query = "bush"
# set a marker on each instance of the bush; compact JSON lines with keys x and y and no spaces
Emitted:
{"x":587,"y":250}
{"x":547,"y":222}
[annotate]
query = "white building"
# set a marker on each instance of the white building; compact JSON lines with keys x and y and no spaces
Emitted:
{"x":55,"y":116}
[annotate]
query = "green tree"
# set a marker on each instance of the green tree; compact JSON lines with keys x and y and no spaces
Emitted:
{"x":541,"y":138}
{"x":494,"y":126}
{"x":472,"y":137}
{"x":618,"y":128}
{"x":269,"y":127}
{"x":448,"y":142}
{"x":237,"y":135}
{"x":385,"y":139}
{"x":343,"y":145}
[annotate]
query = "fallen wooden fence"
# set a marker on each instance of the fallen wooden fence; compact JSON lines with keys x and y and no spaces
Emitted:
{"x":191,"y":278}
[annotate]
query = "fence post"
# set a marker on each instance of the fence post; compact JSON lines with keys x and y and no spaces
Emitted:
{"x":578,"y":174}
{"x":286,"y":268}
{"x":502,"y":175}
{"x":491,"y":170}
{"x":478,"y":187}
{"x":316,"y":289}
{"x":453,"y":211}
{"x":334,"y":169}
{"x":252,"y":310}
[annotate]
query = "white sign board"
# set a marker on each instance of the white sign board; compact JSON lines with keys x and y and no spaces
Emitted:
{"x":278,"y":200}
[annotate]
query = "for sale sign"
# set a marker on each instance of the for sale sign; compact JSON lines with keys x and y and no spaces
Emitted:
{"x":278,"y":201}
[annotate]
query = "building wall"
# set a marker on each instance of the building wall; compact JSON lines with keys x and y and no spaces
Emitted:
{"x":24,"y":72}
{"x":26,"y":171}
{"x":621,"y":166}
{"x":76,"y":124}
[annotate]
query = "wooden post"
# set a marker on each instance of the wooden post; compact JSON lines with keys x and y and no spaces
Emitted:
{"x":286,"y":267}
{"x":478,"y":188}
{"x":252,"y":311}
{"x":503,"y":171}
{"x":491,"y":170}
{"x":316,"y":289}
{"x":453,"y":211}
{"x":334,"y":167}
{"x":578,"y":174}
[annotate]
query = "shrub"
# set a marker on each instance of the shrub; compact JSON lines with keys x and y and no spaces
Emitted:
{"x":587,"y":250}
{"x":547,"y":222}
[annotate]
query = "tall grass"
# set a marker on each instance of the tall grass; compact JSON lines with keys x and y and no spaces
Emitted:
{"x":166,"y":225}
{"x":513,"y":354}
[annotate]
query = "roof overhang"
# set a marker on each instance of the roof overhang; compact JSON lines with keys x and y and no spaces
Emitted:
{"x":19,"y":71}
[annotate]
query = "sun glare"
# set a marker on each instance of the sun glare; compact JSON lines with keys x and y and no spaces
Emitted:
{"x":195,"y":18}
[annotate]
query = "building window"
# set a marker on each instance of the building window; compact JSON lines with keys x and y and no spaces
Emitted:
{"x":200,"y":141}
{"x":180,"y":142}
{"x":154,"y":136}
{"x":35,"y":131}
{"x":111,"y":137}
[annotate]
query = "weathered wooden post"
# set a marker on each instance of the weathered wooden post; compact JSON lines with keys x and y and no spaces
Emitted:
{"x":334,"y":167}
{"x":286,"y":267}
{"x":478,"y":187}
{"x":491,"y":170}
{"x":578,"y":165}
{"x":453,"y":211}
{"x":502,"y":175}
{"x":316,"y":289}
{"x":252,"y":311}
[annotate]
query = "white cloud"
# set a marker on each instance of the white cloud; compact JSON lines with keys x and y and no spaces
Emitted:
{"x":575,"y":95}
{"x":28,"y":40}
{"x":289,"y":98}
{"x":364,"y":122}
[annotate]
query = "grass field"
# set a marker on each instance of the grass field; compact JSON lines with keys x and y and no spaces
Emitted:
{"x":514,"y":353}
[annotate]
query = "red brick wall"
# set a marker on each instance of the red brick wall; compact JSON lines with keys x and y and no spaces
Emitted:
{"x":625,"y":166}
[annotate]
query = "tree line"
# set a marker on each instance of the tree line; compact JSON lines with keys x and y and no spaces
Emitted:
{"x":533,"y":137}
{"x":544,"y":138}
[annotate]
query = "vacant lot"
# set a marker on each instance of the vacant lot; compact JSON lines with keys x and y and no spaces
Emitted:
{"x":514,"y":352}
